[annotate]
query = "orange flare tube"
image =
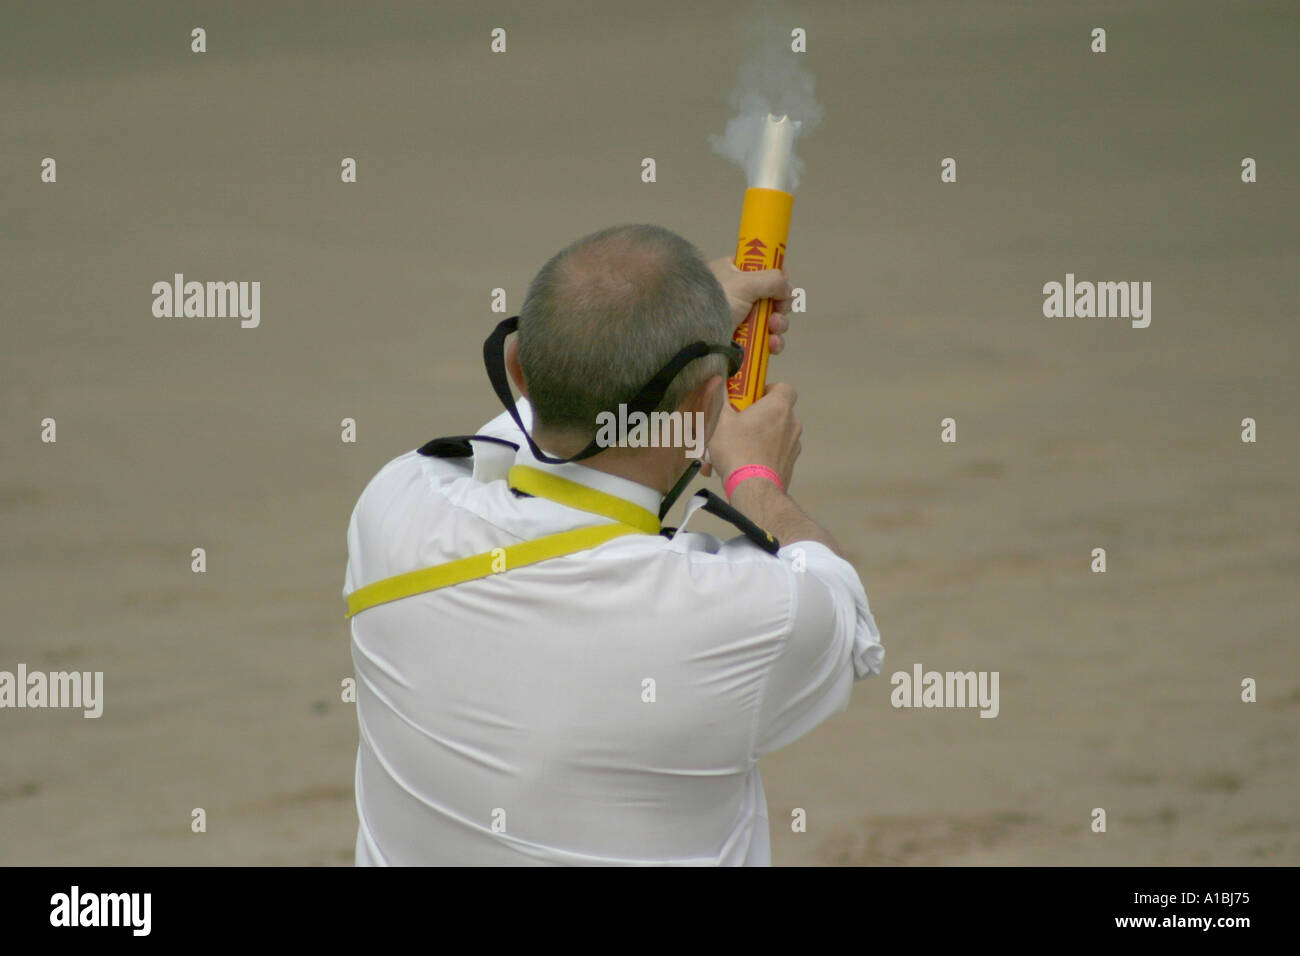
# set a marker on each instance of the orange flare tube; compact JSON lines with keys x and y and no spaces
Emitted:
{"x":764,"y":228}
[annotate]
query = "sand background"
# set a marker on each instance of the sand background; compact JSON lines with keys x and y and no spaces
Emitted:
{"x":924,"y":301}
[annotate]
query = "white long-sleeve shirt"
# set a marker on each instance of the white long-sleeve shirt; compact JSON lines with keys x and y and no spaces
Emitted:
{"x":606,"y":707}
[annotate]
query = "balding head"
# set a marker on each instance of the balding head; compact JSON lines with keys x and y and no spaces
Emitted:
{"x":606,"y":313}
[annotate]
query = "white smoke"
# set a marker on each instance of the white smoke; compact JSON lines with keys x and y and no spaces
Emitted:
{"x":772,"y":80}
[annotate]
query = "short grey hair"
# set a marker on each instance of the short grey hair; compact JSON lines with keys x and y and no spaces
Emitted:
{"x":606,"y":313}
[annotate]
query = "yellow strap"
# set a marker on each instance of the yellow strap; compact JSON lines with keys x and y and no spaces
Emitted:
{"x":483,"y":565}
{"x":543,"y":484}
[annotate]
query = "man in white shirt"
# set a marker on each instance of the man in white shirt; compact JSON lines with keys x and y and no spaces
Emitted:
{"x":608,"y":702}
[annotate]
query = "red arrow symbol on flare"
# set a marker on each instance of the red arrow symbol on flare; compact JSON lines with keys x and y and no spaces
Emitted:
{"x":755,"y":247}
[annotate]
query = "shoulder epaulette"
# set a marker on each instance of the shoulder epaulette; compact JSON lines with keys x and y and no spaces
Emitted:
{"x":458,"y":446}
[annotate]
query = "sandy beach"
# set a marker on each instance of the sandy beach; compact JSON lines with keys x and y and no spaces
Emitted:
{"x":1119,"y":690}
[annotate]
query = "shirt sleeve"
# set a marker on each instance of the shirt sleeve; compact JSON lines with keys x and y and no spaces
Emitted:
{"x":832,"y":642}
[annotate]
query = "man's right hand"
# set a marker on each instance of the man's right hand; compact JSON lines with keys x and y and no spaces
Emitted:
{"x":765,"y":433}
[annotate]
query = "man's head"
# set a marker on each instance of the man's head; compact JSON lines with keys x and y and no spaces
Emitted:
{"x":604,"y":315}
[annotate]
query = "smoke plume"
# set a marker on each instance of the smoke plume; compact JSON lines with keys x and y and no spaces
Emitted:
{"x":771,"y":80}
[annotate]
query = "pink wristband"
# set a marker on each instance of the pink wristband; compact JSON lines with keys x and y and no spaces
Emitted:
{"x":751,"y":471}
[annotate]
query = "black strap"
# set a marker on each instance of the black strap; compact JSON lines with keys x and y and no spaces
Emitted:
{"x":458,"y":446}
{"x":676,"y":491}
{"x":494,"y":357}
{"x":648,"y":399}
{"x":645,"y":401}
{"x":720,"y":508}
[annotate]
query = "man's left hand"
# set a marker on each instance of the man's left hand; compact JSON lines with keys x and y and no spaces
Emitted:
{"x":743,"y":289}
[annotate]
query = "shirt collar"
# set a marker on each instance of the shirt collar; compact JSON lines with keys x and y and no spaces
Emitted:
{"x":641,"y":495}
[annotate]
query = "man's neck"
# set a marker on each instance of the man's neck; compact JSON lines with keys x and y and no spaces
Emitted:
{"x":650,"y":474}
{"x":656,"y":468}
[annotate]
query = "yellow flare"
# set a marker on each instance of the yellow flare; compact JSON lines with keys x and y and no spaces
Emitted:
{"x":764,"y":228}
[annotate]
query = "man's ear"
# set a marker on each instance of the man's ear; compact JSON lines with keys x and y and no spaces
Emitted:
{"x":513,"y":368}
{"x":707,"y":397}
{"x":715,"y":390}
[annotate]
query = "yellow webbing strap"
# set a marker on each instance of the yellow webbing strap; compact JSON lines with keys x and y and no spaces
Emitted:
{"x":483,"y":565}
{"x":629,"y":518}
{"x":543,"y":484}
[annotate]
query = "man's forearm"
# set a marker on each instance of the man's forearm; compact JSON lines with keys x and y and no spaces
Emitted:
{"x":774,"y":511}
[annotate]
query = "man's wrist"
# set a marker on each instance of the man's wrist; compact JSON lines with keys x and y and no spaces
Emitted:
{"x":757,"y":499}
{"x":746,"y":473}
